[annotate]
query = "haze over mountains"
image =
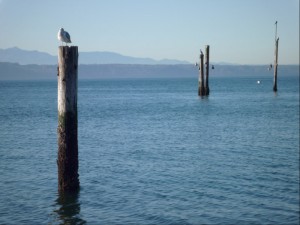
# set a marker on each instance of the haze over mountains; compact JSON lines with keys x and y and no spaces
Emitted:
{"x":17,"y":64}
{"x":24,"y":57}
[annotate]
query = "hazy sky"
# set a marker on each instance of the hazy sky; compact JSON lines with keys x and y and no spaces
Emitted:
{"x":238,"y":31}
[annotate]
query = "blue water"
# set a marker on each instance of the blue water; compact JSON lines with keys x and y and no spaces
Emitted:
{"x":152,"y":152}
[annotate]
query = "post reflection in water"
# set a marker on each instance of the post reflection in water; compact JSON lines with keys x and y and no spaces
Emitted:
{"x":68,"y":211}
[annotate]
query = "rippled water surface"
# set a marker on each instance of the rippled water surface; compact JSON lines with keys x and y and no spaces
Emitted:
{"x":152,"y":152}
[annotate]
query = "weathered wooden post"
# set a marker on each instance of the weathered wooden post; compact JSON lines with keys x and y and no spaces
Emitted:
{"x":275,"y":66}
{"x":206,"y":69}
{"x":67,"y":162}
{"x":201,"y":91}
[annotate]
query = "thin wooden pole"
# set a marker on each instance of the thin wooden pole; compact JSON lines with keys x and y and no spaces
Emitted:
{"x":67,"y":162}
{"x":275,"y":31}
{"x":275,"y":66}
{"x":201,"y":91}
{"x":206,"y":69}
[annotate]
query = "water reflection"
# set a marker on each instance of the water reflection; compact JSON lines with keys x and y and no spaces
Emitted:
{"x":68,"y":211}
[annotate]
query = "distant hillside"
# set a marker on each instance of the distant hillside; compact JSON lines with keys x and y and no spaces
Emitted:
{"x":14,"y":71}
{"x":24,"y":57}
{"x":16,"y":55}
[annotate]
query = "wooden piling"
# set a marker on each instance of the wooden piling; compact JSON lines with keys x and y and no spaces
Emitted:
{"x":206,"y":69}
{"x":275,"y":66}
{"x":67,"y":162}
{"x":201,"y":90}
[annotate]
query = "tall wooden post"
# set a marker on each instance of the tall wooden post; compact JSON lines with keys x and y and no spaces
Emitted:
{"x":275,"y":66}
{"x":67,"y":162}
{"x":201,"y":91}
{"x":206,"y":69}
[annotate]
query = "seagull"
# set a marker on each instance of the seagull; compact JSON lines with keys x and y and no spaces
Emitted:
{"x":201,"y":52}
{"x":63,"y":36}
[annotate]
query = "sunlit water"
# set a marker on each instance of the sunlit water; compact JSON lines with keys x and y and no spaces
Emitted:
{"x":152,"y":152}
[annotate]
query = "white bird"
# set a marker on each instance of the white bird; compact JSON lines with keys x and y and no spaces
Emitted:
{"x":63,"y":36}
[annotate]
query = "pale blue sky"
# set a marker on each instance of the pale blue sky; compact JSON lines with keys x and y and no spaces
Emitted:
{"x":238,"y":31}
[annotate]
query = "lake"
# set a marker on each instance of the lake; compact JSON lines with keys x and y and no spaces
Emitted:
{"x":152,"y":152}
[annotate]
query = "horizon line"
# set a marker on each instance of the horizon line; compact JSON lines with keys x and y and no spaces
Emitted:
{"x":105,"y":51}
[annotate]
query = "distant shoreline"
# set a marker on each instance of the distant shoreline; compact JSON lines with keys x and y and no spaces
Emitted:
{"x":15,"y":71}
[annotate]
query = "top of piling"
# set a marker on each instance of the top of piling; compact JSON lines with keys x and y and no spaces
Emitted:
{"x":67,"y":51}
{"x":66,"y":47}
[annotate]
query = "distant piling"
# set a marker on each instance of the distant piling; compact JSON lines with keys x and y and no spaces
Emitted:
{"x":201,"y":90}
{"x":275,"y":66}
{"x":67,"y":162}
{"x":206,"y":69}
{"x":203,"y":84}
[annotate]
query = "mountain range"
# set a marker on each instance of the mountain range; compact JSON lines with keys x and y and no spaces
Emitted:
{"x":25,"y":57}
{"x":17,"y":64}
